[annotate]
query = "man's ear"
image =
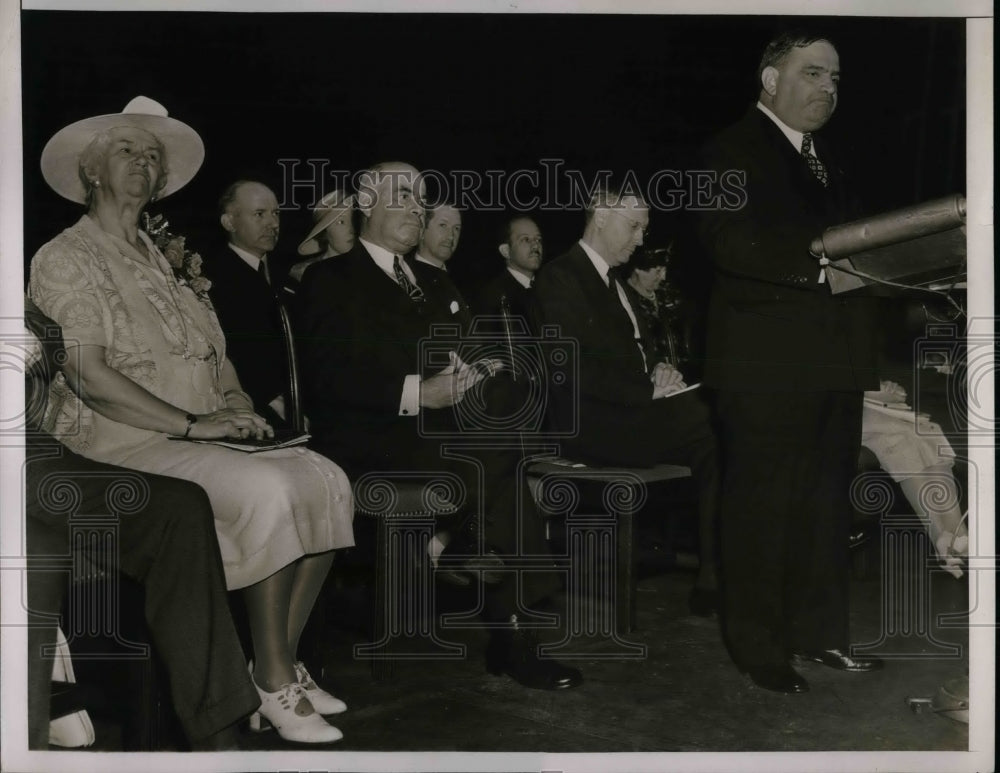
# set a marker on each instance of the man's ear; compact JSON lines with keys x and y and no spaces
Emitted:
{"x":227,"y":222}
{"x":769,"y":80}
{"x":505,"y":251}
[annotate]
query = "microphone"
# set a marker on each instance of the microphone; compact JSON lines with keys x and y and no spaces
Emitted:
{"x":505,"y":314}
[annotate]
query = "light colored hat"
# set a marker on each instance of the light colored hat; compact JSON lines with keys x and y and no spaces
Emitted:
{"x":329,"y":208}
{"x":184,"y":148}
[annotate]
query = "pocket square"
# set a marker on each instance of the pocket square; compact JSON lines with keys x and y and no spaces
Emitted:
{"x":454,"y":307}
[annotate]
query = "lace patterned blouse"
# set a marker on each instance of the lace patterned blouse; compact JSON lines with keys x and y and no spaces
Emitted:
{"x":154,"y":330}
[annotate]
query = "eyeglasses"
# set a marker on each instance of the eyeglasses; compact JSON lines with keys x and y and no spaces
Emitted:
{"x":635,"y":225}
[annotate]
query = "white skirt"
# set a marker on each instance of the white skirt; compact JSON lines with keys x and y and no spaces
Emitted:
{"x":904,"y":442}
{"x":271,"y":507}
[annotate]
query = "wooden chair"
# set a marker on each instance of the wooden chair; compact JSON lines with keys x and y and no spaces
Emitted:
{"x":601,"y":543}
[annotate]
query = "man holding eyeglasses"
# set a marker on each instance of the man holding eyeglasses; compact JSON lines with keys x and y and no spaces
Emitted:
{"x":628,"y":410}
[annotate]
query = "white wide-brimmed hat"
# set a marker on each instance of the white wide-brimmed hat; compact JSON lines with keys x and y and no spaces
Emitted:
{"x":184,"y":148}
{"x":329,"y":208}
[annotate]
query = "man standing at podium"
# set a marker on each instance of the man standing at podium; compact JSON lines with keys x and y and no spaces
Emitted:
{"x":789,"y":362}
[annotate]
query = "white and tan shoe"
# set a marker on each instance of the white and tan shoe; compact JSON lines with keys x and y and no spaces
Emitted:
{"x":321,"y":700}
{"x":291,"y":714}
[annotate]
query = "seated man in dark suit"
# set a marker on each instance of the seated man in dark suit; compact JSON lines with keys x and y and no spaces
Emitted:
{"x":169,"y":545}
{"x":364,"y":316}
{"x":244,"y":285}
{"x":520,"y":244}
{"x":626,"y":406}
{"x":438,"y":242}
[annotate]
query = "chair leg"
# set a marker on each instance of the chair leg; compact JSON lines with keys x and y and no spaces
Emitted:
{"x":142,"y":727}
{"x":382,"y":667}
{"x":625,"y":601}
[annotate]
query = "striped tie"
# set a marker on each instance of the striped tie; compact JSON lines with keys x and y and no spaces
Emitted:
{"x":815,"y":165}
{"x":415,"y":293}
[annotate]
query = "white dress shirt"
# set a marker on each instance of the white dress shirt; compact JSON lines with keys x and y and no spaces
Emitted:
{"x":522,"y":280}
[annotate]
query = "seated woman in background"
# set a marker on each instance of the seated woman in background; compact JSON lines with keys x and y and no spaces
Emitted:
{"x":915,"y":453}
{"x":332,"y":234}
{"x":147,"y":360}
{"x":658,"y":306}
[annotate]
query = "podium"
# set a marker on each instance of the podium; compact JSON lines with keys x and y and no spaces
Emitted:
{"x":920,"y":247}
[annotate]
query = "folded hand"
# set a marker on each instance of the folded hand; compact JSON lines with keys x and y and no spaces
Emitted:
{"x":666,"y":380}
{"x":450,"y":385}
{"x":240,"y":423}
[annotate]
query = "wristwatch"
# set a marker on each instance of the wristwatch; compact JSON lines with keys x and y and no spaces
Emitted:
{"x":191,"y":420}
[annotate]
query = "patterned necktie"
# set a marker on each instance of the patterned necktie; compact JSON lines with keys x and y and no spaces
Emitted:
{"x":815,"y":165}
{"x":415,"y":293}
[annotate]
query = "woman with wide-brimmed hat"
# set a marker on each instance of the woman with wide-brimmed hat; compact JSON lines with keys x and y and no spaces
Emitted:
{"x":147,"y":361}
{"x":332,"y":234}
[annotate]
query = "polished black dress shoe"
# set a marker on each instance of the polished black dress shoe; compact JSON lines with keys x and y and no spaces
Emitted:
{"x":777,"y":678}
{"x":858,"y":537}
{"x":838,"y":660}
{"x":515,"y":652}
{"x":703,"y":602}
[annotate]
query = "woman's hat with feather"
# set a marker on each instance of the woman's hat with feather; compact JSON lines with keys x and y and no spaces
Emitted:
{"x":184,"y":148}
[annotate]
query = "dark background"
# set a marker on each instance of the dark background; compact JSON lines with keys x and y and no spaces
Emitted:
{"x":463,"y":91}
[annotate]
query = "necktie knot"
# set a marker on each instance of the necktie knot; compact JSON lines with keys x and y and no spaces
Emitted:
{"x":814,"y":164}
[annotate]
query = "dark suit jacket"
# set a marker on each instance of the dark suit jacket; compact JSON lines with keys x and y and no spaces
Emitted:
{"x":248,"y":313}
{"x":439,"y":287}
{"x":610,"y":382}
{"x":359,"y":337}
{"x":771,"y":325}
{"x":487,"y":301}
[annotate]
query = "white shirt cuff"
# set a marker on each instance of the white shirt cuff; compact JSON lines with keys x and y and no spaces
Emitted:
{"x":409,"y":404}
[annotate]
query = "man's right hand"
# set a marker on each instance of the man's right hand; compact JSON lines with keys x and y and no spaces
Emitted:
{"x":666,"y":380}
{"x":450,"y":385}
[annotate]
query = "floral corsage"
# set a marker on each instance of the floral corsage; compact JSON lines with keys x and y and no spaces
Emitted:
{"x":185,"y":263}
